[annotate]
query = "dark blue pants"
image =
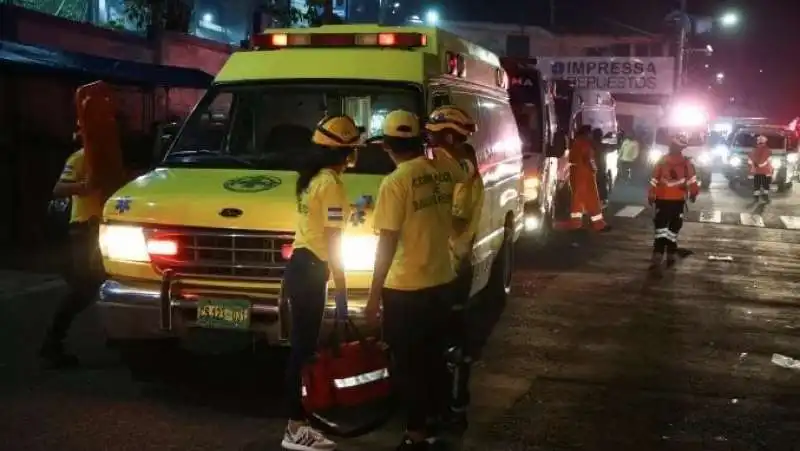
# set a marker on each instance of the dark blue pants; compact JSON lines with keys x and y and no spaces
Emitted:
{"x":304,"y":285}
{"x":415,"y":326}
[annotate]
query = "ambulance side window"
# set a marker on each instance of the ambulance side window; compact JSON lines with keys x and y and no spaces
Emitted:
{"x":480,"y":140}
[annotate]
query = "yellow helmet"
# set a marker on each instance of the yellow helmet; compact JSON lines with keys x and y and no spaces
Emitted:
{"x":453,"y":118}
{"x":401,"y":124}
{"x":337,"y":131}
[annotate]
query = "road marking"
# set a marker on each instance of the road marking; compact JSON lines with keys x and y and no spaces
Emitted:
{"x":752,"y":220}
{"x":711,"y":216}
{"x":630,"y":211}
{"x":791,"y":222}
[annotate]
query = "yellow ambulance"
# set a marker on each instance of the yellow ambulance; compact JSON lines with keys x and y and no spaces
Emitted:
{"x":201,"y":241}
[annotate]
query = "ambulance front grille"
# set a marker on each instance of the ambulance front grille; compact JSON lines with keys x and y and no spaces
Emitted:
{"x":253,"y":255}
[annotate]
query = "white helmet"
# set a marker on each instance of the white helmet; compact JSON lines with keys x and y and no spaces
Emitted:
{"x":761,"y":139}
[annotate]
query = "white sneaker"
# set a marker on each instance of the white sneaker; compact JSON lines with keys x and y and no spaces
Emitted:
{"x":306,"y":438}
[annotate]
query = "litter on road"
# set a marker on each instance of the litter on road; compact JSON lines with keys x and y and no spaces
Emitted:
{"x":786,"y":362}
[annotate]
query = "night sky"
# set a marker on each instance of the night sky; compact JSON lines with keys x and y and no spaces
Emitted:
{"x":766,"y":40}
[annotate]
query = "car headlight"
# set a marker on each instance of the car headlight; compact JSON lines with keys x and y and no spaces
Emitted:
{"x":721,"y":150}
{"x":654,"y":155}
{"x":358,"y":252}
{"x":704,"y":159}
{"x":777,"y":162}
{"x":612,"y":159}
{"x":735,"y":161}
{"x":792,"y":158}
{"x":128,"y":243}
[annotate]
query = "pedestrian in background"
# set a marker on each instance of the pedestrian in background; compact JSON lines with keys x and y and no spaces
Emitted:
{"x":583,"y":181}
{"x":628,"y":154}
{"x":83,"y":271}
{"x":673,"y":181}
{"x":322,"y":209}
{"x":449,"y":129}
{"x":413,"y":275}
{"x":601,"y":170}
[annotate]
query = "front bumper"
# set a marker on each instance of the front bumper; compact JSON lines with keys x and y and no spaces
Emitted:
{"x":742,"y":174}
{"x":145,"y":310}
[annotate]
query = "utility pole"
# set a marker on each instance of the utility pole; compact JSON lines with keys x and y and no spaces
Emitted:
{"x":684,"y":24}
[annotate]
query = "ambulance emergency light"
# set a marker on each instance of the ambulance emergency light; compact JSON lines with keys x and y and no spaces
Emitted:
{"x":274,"y":41}
{"x":687,"y":115}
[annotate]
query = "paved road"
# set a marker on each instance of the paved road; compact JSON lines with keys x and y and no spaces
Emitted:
{"x":590,"y":353}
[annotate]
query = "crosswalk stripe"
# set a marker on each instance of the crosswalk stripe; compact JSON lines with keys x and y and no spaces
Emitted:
{"x":751,"y":219}
{"x":630,"y":211}
{"x":714,"y":216}
{"x":791,"y":222}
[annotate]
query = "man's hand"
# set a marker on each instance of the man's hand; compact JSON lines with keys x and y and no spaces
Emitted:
{"x":372,"y":311}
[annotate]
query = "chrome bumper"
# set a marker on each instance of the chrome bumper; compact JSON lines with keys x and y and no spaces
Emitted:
{"x":132,"y":310}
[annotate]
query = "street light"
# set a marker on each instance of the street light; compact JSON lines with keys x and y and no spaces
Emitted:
{"x":432,"y":17}
{"x":720,"y":77}
{"x":729,"y":19}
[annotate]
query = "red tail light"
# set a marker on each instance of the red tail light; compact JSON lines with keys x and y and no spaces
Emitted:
{"x":162,"y":247}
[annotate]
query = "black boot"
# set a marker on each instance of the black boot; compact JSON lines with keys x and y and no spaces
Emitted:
{"x":655,"y":260}
{"x":671,"y":260}
{"x":765,"y":198}
{"x":54,"y":355}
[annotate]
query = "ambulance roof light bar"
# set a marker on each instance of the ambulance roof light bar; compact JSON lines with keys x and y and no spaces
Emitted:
{"x":274,"y":41}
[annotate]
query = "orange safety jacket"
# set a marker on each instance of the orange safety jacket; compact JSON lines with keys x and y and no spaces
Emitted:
{"x":581,"y":156}
{"x":674,"y":178}
{"x":760,"y":161}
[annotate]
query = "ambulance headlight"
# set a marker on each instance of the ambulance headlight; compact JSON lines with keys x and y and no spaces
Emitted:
{"x":612,"y":158}
{"x":123,"y":243}
{"x":735,"y":161}
{"x":704,"y":159}
{"x":358,"y":252}
{"x":792,"y":158}
{"x":654,"y":155}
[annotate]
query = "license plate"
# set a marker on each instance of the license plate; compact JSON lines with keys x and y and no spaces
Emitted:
{"x":223,"y":313}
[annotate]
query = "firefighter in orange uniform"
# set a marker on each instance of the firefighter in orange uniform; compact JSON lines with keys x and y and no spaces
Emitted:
{"x":582,"y":177}
{"x":674,"y":179}
{"x":761,"y":169}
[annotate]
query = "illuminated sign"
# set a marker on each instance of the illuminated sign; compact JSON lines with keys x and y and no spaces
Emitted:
{"x":616,"y":75}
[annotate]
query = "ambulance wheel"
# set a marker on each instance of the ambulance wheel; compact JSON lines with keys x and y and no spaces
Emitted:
{"x":499,"y":285}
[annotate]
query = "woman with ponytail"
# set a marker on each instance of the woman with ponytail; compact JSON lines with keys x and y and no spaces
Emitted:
{"x":322,"y":209}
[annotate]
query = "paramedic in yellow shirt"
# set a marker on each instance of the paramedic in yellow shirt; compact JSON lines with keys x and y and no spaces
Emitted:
{"x":322,"y":209}
{"x":413,"y":272}
{"x":84,"y":270}
{"x":449,"y":128}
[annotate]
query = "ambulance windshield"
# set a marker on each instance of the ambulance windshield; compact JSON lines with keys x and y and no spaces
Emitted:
{"x":268,"y":126}
{"x":664,"y":137}
{"x":748,"y":139}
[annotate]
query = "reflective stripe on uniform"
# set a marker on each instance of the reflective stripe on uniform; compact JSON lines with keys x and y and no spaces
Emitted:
{"x":362,"y":379}
{"x":596,"y":218}
{"x":671,"y":183}
{"x":654,"y":182}
{"x":576,"y":215}
{"x":763,"y":164}
{"x":693,"y":179}
{"x":666,"y":234}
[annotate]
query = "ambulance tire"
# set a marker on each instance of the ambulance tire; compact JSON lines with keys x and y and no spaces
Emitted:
{"x":499,"y":285}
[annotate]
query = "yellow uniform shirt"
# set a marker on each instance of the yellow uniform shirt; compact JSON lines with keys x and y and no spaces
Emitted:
{"x":416,"y":200}
{"x":323,"y":204}
{"x":87,"y":206}
{"x":467,"y":205}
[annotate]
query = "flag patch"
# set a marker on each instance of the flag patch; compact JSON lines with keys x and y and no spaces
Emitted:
{"x":335,"y":214}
